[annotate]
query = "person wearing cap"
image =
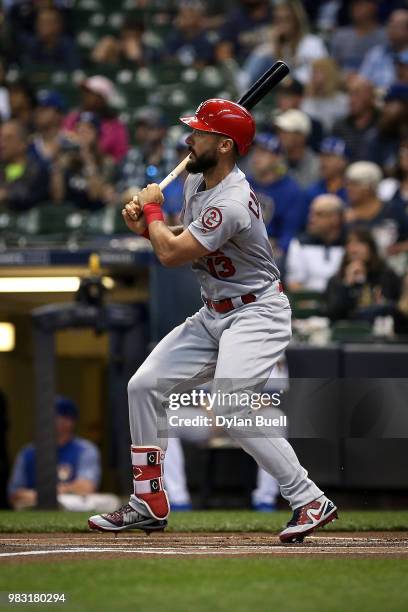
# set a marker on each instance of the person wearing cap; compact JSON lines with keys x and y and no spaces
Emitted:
{"x":78,"y":462}
{"x":98,"y":95}
{"x":48,"y":138}
{"x":281,"y":198}
{"x":349,"y":44}
{"x":359,"y":128}
{"x":333,"y":158}
{"x":81,"y":173}
{"x":388,"y":222}
{"x":378,"y":64}
{"x":245,"y":313}
{"x":152,"y":158}
{"x":50,"y":45}
{"x":314,"y":256}
{"x":289,"y":95}
{"x":294,"y":128}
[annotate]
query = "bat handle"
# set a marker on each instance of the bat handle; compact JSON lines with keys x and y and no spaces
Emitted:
{"x":174,"y":173}
{"x":172,"y":176}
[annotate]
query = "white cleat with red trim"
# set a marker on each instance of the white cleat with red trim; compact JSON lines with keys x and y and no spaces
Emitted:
{"x":308,"y":518}
{"x":125,"y":518}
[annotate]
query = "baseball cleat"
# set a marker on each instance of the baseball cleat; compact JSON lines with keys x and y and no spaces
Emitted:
{"x":125,"y":518}
{"x":308,"y":518}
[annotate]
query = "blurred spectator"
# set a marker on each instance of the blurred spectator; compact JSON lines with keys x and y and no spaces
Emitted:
{"x":378,"y":64}
{"x":333,"y":162}
{"x":23,"y":181}
{"x":315,"y":256}
{"x":4,"y":94}
{"x":396,"y":188}
{"x":280,"y":196}
{"x":173,"y":193}
{"x":363,"y":282}
{"x":388,"y":222}
{"x":349,"y":44}
{"x":4,"y":458}
{"x":290,"y":41}
{"x":98,"y":95}
{"x":324,"y":100}
{"x":152,"y":158}
{"x":245,"y":27}
{"x":22,"y":103}
{"x":188,"y":42}
{"x":289,"y":95}
{"x":129,"y":47}
{"x":78,"y":467}
{"x":49,"y":45}
{"x":294,"y":128}
{"x":81,"y":173}
{"x":400,"y":311}
{"x":359,"y":128}
{"x":48,"y":138}
{"x":392,"y":125}
{"x":401,"y":67}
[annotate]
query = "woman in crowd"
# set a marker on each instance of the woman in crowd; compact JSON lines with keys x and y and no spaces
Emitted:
{"x":324,"y":100}
{"x":364,"y":283}
{"x":81,"y":174}
{"x":290,"y":41}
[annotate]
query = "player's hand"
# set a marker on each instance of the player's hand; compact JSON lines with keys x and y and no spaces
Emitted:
{"x":151,"y":193}
{"x":133,"y":217}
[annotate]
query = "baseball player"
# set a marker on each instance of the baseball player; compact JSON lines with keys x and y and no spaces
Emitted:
{"x":239,"y":334}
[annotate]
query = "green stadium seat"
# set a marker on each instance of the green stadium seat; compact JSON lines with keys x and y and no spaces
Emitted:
{"x":50,"y":222}
{"x":106,"y":222}
{"x":306,"y":304}
{"x":351,"y":331}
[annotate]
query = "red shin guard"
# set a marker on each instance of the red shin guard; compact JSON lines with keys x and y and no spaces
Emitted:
{"x":148,"y":487}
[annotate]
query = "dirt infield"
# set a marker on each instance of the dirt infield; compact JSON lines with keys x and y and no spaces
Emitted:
{"x":35,"y":547}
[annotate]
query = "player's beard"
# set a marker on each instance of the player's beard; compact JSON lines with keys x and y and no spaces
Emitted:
{"x":201,"y":163}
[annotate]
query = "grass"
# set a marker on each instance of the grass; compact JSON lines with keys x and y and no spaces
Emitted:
{"x":202,"y":585}
{"x":212,"y":584}
{"x":215,"y":521}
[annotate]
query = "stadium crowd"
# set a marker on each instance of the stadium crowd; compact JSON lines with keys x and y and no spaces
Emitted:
{"x":330,"y":160}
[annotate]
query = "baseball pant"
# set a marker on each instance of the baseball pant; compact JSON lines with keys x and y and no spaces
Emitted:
{"x":241,"y":345}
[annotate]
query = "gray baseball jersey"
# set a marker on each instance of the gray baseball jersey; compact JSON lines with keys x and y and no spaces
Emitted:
{"x":227,"y":220}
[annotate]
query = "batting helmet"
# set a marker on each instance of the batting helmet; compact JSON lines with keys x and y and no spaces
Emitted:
{"x":226,"y":118}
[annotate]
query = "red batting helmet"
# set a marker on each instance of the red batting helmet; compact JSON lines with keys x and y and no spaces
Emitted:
{"x":224,"y":117}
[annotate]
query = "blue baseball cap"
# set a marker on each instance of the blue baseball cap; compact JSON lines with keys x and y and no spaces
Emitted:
{"x":53,"y":99}
{"x":334,"y":146}
{"x":65,"y":407}
{"x":398,"y":91}
{"x":402,"y":57}
{"x":268,"y":141}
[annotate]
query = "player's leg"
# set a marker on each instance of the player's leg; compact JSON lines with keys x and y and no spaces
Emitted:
{"x":248,"y":350}
{"x":186,"y":354}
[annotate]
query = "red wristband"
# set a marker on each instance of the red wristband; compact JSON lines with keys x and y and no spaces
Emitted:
{"x":146,"y":233}
{"x":152,"y":212}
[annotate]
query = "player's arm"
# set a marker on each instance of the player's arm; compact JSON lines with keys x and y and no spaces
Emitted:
{"x":173,"y":246}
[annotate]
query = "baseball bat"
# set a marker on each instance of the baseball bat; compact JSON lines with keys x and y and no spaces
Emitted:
{"x":270,"y":79}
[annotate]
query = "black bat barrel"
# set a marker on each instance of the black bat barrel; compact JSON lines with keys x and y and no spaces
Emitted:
{"x":272,"y":77}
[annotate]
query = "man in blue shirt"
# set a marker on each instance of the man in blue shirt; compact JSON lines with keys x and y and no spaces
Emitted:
{"x":78,"y":463}
{"x":281,"y":197}
{"x":334,"y":156}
